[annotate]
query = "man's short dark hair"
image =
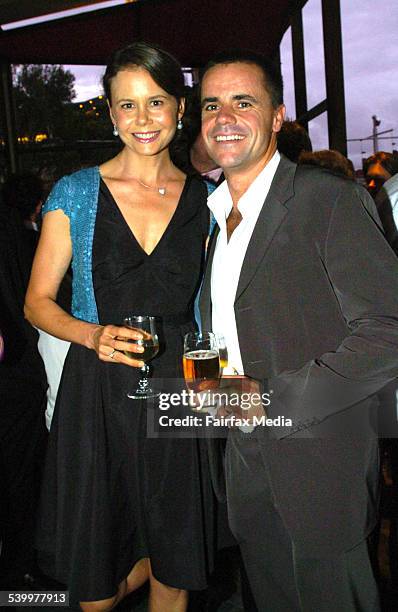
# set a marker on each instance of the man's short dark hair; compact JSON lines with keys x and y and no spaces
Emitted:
{"x":272,"y":77}
{"x":293,"y":139}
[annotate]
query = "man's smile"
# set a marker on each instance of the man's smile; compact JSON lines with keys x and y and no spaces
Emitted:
{"x":228,"y":138}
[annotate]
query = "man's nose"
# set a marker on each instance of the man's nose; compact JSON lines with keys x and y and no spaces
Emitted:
{"x":226,"y":115}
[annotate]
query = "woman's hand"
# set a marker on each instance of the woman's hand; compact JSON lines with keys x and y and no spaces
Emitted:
{"x":110,"y":341}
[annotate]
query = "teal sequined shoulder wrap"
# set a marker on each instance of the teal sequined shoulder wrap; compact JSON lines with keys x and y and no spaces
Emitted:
{"x":77,"y":196}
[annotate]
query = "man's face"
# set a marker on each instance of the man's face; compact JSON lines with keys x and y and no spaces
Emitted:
{"x":239,"y":123}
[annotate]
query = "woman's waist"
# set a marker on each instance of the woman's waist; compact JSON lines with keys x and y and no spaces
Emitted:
{"x":162,"y":320}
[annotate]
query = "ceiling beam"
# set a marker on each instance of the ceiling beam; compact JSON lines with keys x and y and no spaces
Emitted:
{"x":17,"y":10}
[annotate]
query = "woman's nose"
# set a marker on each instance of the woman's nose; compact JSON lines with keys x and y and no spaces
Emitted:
{"x":142,"y":116}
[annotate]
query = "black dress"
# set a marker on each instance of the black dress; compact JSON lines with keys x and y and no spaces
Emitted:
{"x":111,"y":494}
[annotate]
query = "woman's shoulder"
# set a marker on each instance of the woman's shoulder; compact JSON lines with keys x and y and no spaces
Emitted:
{"x":83,"y":176}
{"x":71,"y":187}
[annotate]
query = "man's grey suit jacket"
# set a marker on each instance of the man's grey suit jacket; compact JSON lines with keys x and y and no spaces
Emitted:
{"x":317,"y":317}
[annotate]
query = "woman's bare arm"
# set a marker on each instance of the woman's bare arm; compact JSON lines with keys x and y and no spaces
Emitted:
{"x":52,"y":259}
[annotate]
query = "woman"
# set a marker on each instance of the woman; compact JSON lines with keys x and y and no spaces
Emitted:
{"x":119,"y":507}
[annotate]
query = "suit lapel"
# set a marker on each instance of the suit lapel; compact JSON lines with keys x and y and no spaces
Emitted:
{"x":271,"y":216}
{"x":205,"y":294}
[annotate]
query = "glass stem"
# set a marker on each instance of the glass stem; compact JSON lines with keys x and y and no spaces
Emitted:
{"x":143,"y":382}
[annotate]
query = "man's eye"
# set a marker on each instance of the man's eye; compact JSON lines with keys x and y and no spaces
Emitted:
{"x":127,"y":105}
{"x":157,"y":102}
{"x":243,"y":104}
{"x":210,"y":107}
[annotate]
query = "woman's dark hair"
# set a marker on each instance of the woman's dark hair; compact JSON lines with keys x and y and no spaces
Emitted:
{"x":272,"y":76}
{"x":181,"y":146}
{"x":163,"y":67}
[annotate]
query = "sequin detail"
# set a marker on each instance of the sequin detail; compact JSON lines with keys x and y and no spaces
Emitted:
{"x":77,"y":196}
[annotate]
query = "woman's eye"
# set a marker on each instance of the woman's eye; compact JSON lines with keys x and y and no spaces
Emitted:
{"x":127,"y":105}
{"x":157,"y":102}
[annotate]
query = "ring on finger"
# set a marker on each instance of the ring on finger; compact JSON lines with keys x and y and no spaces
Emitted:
{"x":112,"y":354}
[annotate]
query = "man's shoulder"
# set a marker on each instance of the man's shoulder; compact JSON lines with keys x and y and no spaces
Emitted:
{"x":321,"y":186}
{"x":308,"y":175}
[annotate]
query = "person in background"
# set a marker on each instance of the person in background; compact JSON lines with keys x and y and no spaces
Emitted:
{"x":310,"y":320}
{"x":378,"y":168}
{"x":191,"y":155}
{"x":387,"y":205}
{"x":386,"y":201}
{"x":53,"y":351}
{"x":120,"y":507}
{"x":292,"y":140}
{"x":332,"y":160}
{"x":24,"y":193}
{"x":22,"y":392}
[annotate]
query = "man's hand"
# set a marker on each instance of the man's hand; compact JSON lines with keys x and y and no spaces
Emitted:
{"x":235,"y":399}
{"x":241,"y":399}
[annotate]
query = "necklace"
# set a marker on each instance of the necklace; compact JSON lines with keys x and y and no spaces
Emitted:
{"x":160,"y":190}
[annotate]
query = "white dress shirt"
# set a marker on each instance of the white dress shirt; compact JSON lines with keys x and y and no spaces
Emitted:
{"x":229,"y":256}
{"x":389,"y":194}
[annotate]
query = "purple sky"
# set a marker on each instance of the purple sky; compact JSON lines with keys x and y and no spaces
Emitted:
{"x":370,"y":70}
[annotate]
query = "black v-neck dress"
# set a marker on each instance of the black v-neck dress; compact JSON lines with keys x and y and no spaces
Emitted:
{"x":111,"y":494}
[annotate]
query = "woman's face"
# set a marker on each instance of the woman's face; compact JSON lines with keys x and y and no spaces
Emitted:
{"x":145,"y":115}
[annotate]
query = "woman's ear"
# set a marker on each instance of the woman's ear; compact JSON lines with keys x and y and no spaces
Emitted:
{"x":181,"y":108}
{"x":110,"y":112}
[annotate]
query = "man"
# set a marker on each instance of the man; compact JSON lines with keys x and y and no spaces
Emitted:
{"x":378,"y":169}
{"x":304,"y":288}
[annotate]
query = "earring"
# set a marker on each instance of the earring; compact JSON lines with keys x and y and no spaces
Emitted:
{"x":115,"y":130}
{"x":180,"y":125}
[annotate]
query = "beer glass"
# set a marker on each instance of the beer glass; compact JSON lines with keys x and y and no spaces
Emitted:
{"x":201,"y":361}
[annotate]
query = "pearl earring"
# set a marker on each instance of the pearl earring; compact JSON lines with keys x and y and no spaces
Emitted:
{"x":115,"y":130}
{"x":180,"y":125}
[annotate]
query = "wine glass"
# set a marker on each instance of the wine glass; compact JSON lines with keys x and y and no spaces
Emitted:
{"x":147,"y":326}
{"x":201,"y":361}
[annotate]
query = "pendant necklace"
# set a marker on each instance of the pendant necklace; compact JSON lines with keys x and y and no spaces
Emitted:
{"x":161,"y":190}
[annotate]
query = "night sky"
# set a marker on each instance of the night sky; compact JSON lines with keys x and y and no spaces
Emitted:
{"x":370,"y":69}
